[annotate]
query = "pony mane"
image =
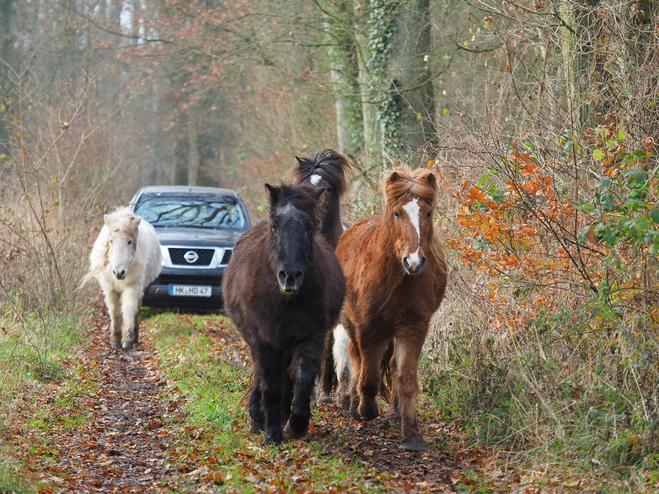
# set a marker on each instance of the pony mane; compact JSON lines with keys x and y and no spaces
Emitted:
{"x":416,"y":182}
{"x":328,"y":164}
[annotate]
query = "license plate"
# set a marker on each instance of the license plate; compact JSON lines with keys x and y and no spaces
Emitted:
{"x":190,"y":291}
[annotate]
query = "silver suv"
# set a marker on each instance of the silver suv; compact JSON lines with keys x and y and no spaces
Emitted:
{"x":197,"y":228}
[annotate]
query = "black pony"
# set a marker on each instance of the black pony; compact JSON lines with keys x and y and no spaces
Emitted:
{"x":326,"y":171}
{"x":284,"y":290}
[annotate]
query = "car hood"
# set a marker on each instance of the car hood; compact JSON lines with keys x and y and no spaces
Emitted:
{"x":198,"y":236}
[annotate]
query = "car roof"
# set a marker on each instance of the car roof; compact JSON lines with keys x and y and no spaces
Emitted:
{"x":184,"y":189}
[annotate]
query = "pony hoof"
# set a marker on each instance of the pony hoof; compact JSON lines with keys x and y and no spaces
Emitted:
{"x":115,"y":344}
{"x":354,"y":413}
{"x":413,"y":444}
{"x":127,"y":345}
{"x":273,"y":438}
{"x":368,"y":413}
{"x":325,"y":399}
{"x":297,"y":430}
{"x":255,"y":427}
{"x":343,"y":402}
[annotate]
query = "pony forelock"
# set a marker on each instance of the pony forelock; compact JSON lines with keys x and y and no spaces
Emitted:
{"x":415,"y":182}
{"x":302,"y":197}
{"x":124,"y":221}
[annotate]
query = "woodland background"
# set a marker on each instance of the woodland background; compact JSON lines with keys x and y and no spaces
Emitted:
{"x":540,"y":116}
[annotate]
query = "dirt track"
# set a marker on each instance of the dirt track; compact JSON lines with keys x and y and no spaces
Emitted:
{"x":113,"y":434}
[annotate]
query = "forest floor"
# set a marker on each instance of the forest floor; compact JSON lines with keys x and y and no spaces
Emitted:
{"x":168,"y":417}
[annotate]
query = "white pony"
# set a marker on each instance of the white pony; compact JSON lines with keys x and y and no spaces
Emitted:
{"x":125,"y":259}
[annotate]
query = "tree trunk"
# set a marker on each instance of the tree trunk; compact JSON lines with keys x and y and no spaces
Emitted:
{"x":194,"y":156}
{"x":571,"y":65}
{"x":411,"y":86}
{"x":372,"y":130}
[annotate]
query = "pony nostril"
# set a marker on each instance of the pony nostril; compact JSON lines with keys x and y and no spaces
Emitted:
{"x":418,"y":266}
{"x":282,"y":277}
{"x":298,"y":278}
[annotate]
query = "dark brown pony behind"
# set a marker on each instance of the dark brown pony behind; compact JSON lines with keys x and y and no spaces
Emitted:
{"x":396,"y":278}
{"x":327,"y":171}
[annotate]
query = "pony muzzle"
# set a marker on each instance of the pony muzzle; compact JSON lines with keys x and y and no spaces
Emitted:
{"x":413,"y":265}
{"x":119,"y":273}
{"x":289,"y":281}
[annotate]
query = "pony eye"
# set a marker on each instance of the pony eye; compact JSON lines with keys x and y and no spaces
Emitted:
{"x":396,"y":214}
{"x":428,"y":214}
{"x":273,"y":226}
{"x":110,"y":241}
{"x":130,"y":242}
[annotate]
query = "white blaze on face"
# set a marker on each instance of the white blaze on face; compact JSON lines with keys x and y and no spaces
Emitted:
{"x":315,"y":178}
{"x":413,"y":211}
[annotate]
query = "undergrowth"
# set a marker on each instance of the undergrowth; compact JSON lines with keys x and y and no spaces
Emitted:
{"x":33,"y":348}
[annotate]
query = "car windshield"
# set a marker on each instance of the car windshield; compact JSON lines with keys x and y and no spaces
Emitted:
{"x":214,"y":212}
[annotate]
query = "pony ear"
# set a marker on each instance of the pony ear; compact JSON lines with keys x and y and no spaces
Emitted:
{"x":274,"y":193}
{"x":107,"y":219}
{"x":299,"y":160}
{"x":432,"y":180}
{"x":135,"y":221}
{"x":318,"y":193}
{"x":394,"y":177}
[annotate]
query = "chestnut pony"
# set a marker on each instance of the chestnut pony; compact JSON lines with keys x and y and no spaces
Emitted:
{"x":395,"y":280}
{"x":326,"y":171}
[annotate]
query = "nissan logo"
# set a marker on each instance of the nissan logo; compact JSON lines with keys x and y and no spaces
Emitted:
{"x":191,"y":256}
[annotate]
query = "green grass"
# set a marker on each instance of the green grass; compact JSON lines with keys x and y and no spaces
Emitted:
{"x":34,"y":349}
{"x":11,"y":482}
{"x":213,"y":390}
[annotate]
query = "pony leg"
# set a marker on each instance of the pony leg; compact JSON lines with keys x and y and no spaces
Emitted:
{"x":269,"y":373}
{"x":113,"y":302}
{"x":136,"y":324}
{"x":393,"y":411}
{"x":370,"y":378}
{"x":130,"y":312}
{"x":342,"y":366}
{"x":306,"y":363}
{"x":286,"y":399}
{"x":407,"y":358}
{"x":327,"y":371}
{"x":356,"y":364}
{"x":256,"y":413}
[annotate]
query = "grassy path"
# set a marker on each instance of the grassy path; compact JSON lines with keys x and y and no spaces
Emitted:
{"x":167,"y":417}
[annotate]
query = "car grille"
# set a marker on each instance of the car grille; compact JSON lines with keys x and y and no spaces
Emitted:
{"x":227,"y":256}
{"x":205,"y":256}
